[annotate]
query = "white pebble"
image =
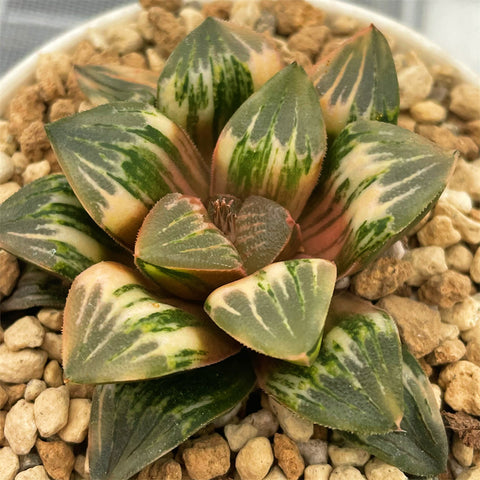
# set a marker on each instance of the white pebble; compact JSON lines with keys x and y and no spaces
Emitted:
{"x":314,"y":451}
{"x":124,"y":40}
{"x":52,"y":344}
{"x":238,"y":435}
{"x":415,"y":84}
{"x":35,"y":473}
{"x":7,"y":168}
{"x":51,"y":410}
{"x":21,"y":366}
{"x":460,"y":200}
{"x":191,"y":18}
{"x":34,"y":388}
{"x":78,"y":418}
{"x":51,"y":318}
{"x":317,"y":472}
{"x":346,"y":456}
{"x":375,"y":469}
{"x":9,"y":464}
{"x":255,"y":459}
{"x":297,"y":428}
{"x":426,"y":262}
{"x":20,"y":428}
{"x":464,"y":314}
{"x":264,"y":421}
{"x":26,"y":332}
{"x":36,"y":170}
{"x":346,"y":473}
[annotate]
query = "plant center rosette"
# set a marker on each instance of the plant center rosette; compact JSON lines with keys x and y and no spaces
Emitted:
{"x":204,"y":223}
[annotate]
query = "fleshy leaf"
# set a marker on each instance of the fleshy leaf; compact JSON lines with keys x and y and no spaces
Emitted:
{"x":182,"y":250}
{"x":278,"y":311}
{"x":112,"y":83}
{"x":378,"y":180}
{"x":358,"y":80}
{"x":121,"y":158}
{"x":44,"y":224}
{"x":265,"y":232}
{"x":210,"y":74}
{"x":420,"y":447}
{"x":133,"y":424}
{"x":355,"y":382}
{"x":36,"y":288}
{"x":274,"y":144}
{"x":115,"y":330}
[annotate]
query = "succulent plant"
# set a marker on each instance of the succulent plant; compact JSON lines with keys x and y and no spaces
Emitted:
{"x":218,"y":191}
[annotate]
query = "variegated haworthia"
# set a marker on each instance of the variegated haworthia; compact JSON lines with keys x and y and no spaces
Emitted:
{"x":278,"y":311}
{"x":121,"y":158}
{"x":112,"y":83}
{"x":133,"y":424}
{"x":181,"y":249}
{"x":355,"y":384}
{"x":210,"y":74}
{"x":378,"y":180}
{"x":115,"y":330}
{"x":274,"y":144}
{"x":45,"y":224}
{"x":358,"y":80}
{"x":420,"y":447}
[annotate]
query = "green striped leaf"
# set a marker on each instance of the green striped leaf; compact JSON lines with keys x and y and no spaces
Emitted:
{"x":112,"y":83}
{"x":265,"y":232}
{"x":355,"y":383}
{"x":44,"y":224}
{"x":182,"y":250}
{"x":133,"y":424}
{"x":121,"y":158}
{"x":378,"y":180}
{"x":115,"y":331}
{"x":420,"y":447}
{"x":358,"y":80}
{"x":274,"y":144}
{"x":278,"y":311}
{"x":210,"y":74}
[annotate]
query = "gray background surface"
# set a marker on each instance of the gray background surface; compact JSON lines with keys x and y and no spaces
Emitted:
{"x":25,"y":25}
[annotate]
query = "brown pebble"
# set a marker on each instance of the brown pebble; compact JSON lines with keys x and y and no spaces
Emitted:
{"x":57,"y":458}
{"x":170,"y":5}
{"x":34,"y":142}
{"x":309,"y":40}
{"x":292,"y":15}
{"x":219,"y":9}
{"x":63,"y":107}
{"x":447,"y":352}
{"x":288,"y":455}
{"x":25,"y":107}
{"x":445,"y":289}
{"x":168,"y":30}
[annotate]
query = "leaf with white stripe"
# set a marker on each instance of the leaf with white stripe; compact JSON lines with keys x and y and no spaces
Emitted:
{"x":44,"y":224}
{"x":278,"y":311}
{"x":378,"y":181}
{"x":181,"y":249}
{"x":210,"y":74}
{"x":133,"y":424}
{"x":420,"y":447}
{"x":273,"y":146}
{"x":358,"y":80}
{"x":116,"y":331}
{"x":121,"y":158}
{"x":355,"y":384}
{"x":116,"y":83}
{"x":265,"y":232}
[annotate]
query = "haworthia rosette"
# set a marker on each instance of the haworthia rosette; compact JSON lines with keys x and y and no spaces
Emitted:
{"x":274,"y":144}
{"x":112,"y":83}
{"x":133,"y":424}
{"x":378,"y":180}
{"x":358,"y":80}
{"x":121,"y":158}
{"x":420,"y":447}
{"x":278,"y":311}
{"x":210,"y":74}
{"x":181,"y":249}
{"x":115,"y":331}
{"x":45,"y":224}
{"x":355,"y":383}
{"x":264,"y":233}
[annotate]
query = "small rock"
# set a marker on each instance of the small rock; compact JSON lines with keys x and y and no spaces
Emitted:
{"x":9,"y":464}
{"x":162,"y":469}
{"x":35,"y":473}
{"x":275,"y":474}
{"x":266,"y":23}
{"x":464,"y":314}
{"x":3,"y":416}
{"x":318,"y":472}
{"x":419,"y":325}
{"x":57,"y":457}
{"x":473,"y":130}
{"x":77,"y":390}
{"x":461,"y":384}
{"x":375,"y":469}
{"x":448,"y":332}
{"x":25,"y":107}
{"x":462,"y":453}
{"x":475,"y":267}
{"x":228,"y":417}
{"x":472,"y":353}
{"x":439,"y":231}
{"x":209,"y":457}
{"x":26,"y":332}
{"x":296,"y":427}
{"x":191,"y":18}
{"x":20,"y":428}
{"x":459,"y":258}
{"x":245,"y":12}
{"x":425,"y":262}
{"x":79,"y":466}
{"x":51,"y":318}
{"x":346,"y":473}
{"x":217,"y":8}
{"x":438,"y":394}
{"x":124,"y":40}
{"x":34,"y":388}
{"x":314,"y":451}
{"x":3,"y":397}
{"x":168,"y":30}
{"x":466,"y":177}
{"x":29,"y":461}
{"x":255,"y":459}
{"x":6,"y":191}
{"x":76,"y":428}
{"x":470,"y":474}
{"x":309,"y":40}
{"x":344,"y":25}
{"x":465,"y":101}
{"x":52,"y":344}
{"x":406,"y":121}
{"x":238,"y":435}
{"x":345,"y":456}
{"x":155,"y":61}
{"x":15,"y":393}
{"x":53,"y":374}
{"x":36,"y":170}
{"x":21,"y":366}
{"x":288,"y":456}
{"x":447,"y":352}
{"x":264,"y":421}
{"x":51,"y":410}
{"x":294,"y":14}
{"x":415,"y":84}
{"x":7,"y":168}
{"x":445,"y":289}
{"x":460,"y":200}
{"x":468,"y":228}
{"x":9,"y":273}
{"x":428,"y":111}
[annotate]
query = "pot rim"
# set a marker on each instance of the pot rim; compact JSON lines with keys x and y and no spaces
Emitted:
{"x":23,"y":73}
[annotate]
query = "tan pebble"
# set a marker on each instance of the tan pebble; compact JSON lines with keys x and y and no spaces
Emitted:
{"x":8,"y":143}
{"x":438,"y":394}
{"x":48,"y":78}
{"x":168,"y":30}
{"x":264,"y":421}
{"x":344,"y":25}
{"x":57,"y":457}
{"x":77,"y":390}
{"x":444,"y":138}
{"x":440,"y":232}
{"x":51,"y":410}
{"x":309,"y":40}
{"x":134,"y":60}
{"x":124,"y":40}
{"x":34,"y":473}
{"x":473,"y":130}
{"x":275,"y":474}
{"x":415,"y":84}
{"x":9,"y":463}
{"x":191,"y":18}
{"x":79,"y":466}
{"x":465,"y":101}
{"x":52,"y":344}
{"x":463,"y":454}
{"x":419,"y":325}
{"x":76,"y":428}
{"x":34,"y":142}
{"x":406,"y":121}
{"x":468,"y":228}
{"x":346,"y":456}
{"x":346,"y":473}
{"x":375,"y":469}
{"x":425,"y":261}
{"x":26,"y":332}
{"x":207,"y":458}
{"x":447,"y":352}
{"x":21,"y":366}
{"x":170,"y":5}
{"x":445,"y":289}
{"x":428,"y":111}
{"x":255,"y":459}
{"x":7,"y":190}
{"x":155,"y":61}
{"x":52,"y":318}
{"x":25,"y":107}
{"x":3,"y":397}
{"x":7,"y":168}
{"x":20,"y":428}
{"x":144,"y":26}
{"x":296,"y":427}
{"x":238,"y":435}
{"x":470,"y":474}
{"x":20,"y":162}
{"x":15,"y":393}
{"x":9,"y":273}
{"x":466,"y":177}
{"x":36,"y":170}
{"x":162,"y":469}
{"x":464,"y":314}
{"x":295,"y":14}
{"x":475,"y":267}
{"x":245,"y":12}
{"x":459,"y":199}
{"x":449,"y":331}
{"x":34,"y":388}
{"x":288,"y":455}
{"x":473,"y":351}
{"x":318,"y":472}
{"x":228,"y":417}
{"x":3,"y":416}
{"x":63,"y":107}
{"x":459,"y":258}
{"x":53,"y":374}
{"x":218,"y":8}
